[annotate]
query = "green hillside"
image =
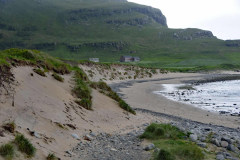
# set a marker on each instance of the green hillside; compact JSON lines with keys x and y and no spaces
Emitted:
{"x":79,"y":29}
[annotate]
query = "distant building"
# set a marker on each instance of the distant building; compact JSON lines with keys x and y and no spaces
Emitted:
{"x":94,"y":59}
{"x":129,"y":59}
{"x":135,"y":59}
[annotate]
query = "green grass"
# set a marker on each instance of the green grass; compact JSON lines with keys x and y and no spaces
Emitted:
{"x":24,"y":145}
{"x":85,"y":103}
{"x":39,"y":72}
{"x":7,"y":151}
{"x":82,"y":89}
{"x":105,"y":89}
{"x":58,"y":77}
{"x":16,"y":56}
{"x":58,"y":28}
{"x":51,"y":156}
{"x":172,"y":143}
{"x":164,"y":155}
{"x":161,"y":131}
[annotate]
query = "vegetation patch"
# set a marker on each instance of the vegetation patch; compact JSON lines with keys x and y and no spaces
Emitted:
{"x":10,"y":126}
{"x":51,"y":156}
{"x":85,"y":103}
{"x":173,"y":143}
{"x":82,"y":89}
{"x":24,"y":145}
{"x":58,"y":77}
{"x":7,"y":151}
{"x":33,"y":57}
{"x":39,"y":72}
{"x":102,"y":87}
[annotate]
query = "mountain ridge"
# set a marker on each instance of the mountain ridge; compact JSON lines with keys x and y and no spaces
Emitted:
{"x":108,"y":29}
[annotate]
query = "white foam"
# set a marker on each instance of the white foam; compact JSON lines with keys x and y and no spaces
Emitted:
{"x":216,"y":96}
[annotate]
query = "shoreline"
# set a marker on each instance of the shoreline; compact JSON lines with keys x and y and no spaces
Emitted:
{"x":139,"y":94}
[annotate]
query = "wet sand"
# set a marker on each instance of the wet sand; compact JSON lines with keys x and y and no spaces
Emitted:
{"x":139,"y":94}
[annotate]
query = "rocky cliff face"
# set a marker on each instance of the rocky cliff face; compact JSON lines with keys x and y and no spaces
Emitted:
{"x":109,"y":15}
{"x":197,"y":34}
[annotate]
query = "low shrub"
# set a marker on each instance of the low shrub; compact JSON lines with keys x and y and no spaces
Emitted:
{"x":7,"y":151}
{"x":24,"y":145}
{"x":102,"y":87}
{"x":161,"y":131}
{"x":82,"y":90}
{"x":58,"y":77}
{"x":51,"y":156}
{"x":126,"y":107}
{"x":39,"y":72}
{"x":164,"y":155}
{"x":85,"y":103}
{"x":10,"y":126}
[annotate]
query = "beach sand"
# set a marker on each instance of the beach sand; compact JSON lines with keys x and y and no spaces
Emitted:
{"x":140,"y":95}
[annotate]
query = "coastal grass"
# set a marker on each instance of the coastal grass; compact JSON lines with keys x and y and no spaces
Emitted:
{"x":20,"y":57}
{"x":58,"y":77}
{"x":51,"y":156}
{"x":7,"y":151}
{"x":172,"y":143}
{"x":82,"y":89}
{"x":162,"y":131}
{"x":10,"y":126}
{"x":44,"y":63}
{"x":39,"y":72}
{"x":24,"y":145}
{"x":102,"y":87}
{"x":85,"y":103}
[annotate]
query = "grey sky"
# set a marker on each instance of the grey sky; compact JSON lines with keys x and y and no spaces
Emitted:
{"x":222,"y":17}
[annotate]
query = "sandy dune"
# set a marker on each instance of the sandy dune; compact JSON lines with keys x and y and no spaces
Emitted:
{"x":42,"y":103}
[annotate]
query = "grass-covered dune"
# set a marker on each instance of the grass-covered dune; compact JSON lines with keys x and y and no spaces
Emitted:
{"x":107,"y":29}
{"x":43,"y":63}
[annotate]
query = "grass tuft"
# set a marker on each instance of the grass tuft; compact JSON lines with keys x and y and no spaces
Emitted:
{"x":7,"y":151}
{"x":51,"y":156}
{"x":164,"y":155}
{"x":58,"y":77}
{"x":24,"y":145}
{"x":39,"y":72}
{"x":161,"y":131}
{"x":82,"y":89}
{"x":102,"y":87}
{"x":10,"y":126}
{"x":85,"y":103}
{"x":172,"y":143}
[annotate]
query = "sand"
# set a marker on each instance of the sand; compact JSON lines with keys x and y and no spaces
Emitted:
{"x":42,"y":103}
{"x":140,"y":95}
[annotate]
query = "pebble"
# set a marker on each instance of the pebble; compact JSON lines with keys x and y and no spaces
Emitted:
{"x":203,"y":145}
{"x":105,"y":147}
{"x":224,"y":144}
{"x":74,"y":135}
{"x":149,"y":147}
{"x":220,"y":157}
{"x":193,"y":137}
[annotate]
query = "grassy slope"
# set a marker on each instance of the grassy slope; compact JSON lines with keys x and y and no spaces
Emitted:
{"x":15,"y":57}
{"x":51,"y":26}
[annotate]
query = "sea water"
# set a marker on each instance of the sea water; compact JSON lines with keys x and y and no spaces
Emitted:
{"x":222,"y":97}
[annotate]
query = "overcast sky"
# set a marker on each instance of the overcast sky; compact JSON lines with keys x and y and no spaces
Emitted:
{"x":222,"y":17}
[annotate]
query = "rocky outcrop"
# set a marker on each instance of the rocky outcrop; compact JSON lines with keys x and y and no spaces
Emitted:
{"x":99,"y":45}
{"x":232,"y":43}
{"x":190,"y":35}
{"x":131,"y":22}
{"x":84,"y":14}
